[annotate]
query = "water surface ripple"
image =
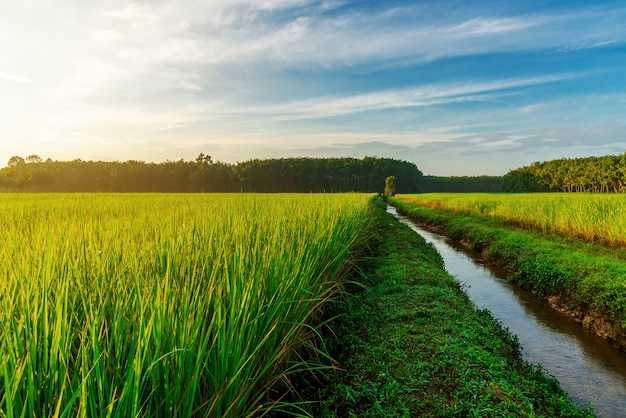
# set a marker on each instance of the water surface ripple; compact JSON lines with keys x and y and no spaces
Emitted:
{"x":587,"y":367}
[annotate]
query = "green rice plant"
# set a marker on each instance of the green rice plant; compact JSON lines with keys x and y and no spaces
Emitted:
{"x":591,"y":217}
{"x":165,"y":305}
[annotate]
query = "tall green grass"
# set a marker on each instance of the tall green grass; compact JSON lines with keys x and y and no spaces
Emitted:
{"x":165,"y":305}
{"x":591,"y":217}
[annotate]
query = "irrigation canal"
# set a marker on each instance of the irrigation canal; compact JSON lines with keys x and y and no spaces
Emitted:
{"x":587,"y":367}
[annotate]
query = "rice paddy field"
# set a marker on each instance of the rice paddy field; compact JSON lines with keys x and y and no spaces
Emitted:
{"x":165,"y":305}
{"x":591,"y":217}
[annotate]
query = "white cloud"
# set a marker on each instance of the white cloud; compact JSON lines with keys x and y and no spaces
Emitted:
{"x":511,"y":141}
{"x":190,"y":86}
{"x":88,"y":76}
{"x":98,"y":119}
{"x":476,"y":140}
{"x":583,"y":46}
{"x":104,"y":36}
{"x":14,"y":77}
{"x":278,"y":4}
{"x":149,"y":45}
{"x":532,"y":108}
{"x":138,"y":14}
{"x":485,"y":26}
{"x":429,"y":95}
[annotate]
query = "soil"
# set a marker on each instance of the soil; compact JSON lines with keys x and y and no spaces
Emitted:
{"x":589,"y":320}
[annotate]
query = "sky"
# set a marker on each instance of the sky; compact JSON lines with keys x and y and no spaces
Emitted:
{"x":456,"y":87}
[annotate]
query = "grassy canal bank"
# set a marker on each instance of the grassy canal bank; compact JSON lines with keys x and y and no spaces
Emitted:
{"x":410,"y":343}
{"x":583,"y":279}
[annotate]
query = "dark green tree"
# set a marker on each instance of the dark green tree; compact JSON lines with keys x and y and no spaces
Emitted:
{"x":205,"y":175}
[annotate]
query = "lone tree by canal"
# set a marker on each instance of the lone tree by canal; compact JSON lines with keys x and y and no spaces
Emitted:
{"x":390,"y":186}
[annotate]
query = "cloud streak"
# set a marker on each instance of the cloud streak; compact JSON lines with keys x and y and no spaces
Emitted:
{"x":14,"y":78}
{"x":581,"y":47}
{"x":532,"y":108}
{"x":430,"y":95}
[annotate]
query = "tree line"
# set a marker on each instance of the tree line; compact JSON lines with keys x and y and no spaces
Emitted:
{"x":462,"y":184}
{"x":204,"y":175}
{"x":606,"y":174}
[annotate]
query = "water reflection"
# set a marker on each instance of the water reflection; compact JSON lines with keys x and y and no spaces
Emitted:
{"x":587,"y":367}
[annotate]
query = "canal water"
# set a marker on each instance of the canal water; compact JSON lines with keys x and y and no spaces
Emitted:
{"x":587,"y":367}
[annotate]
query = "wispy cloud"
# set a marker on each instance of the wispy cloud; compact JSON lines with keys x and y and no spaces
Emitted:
{"x":14,"y":77}
{"x":137,"y":14}
{"x":128,"y":117}
{"x":583,"y":46}
{"x":430,"y":95}
{"x":353,"y":39}
{"x":486,"y":26}
{"x":103,"y":35}
{"x":149,"y":44}
{"x":532,"y":108}
{"x":549,"y":139}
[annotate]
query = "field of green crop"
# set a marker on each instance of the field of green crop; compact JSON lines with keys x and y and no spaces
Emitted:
{"x":164,"y":305}
{"x":592,"y":217}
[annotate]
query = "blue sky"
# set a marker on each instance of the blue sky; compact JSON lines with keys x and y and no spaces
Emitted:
{"x":457,"y":87}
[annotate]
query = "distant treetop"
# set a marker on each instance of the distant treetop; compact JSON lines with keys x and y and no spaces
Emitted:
{"x":605,"y":174}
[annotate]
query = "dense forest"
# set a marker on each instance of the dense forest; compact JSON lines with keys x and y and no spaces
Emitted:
{"x":462,"y":184}
{"x":591,"y":174}
{"x":204,"y":175}
{"x":605,"y":174}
